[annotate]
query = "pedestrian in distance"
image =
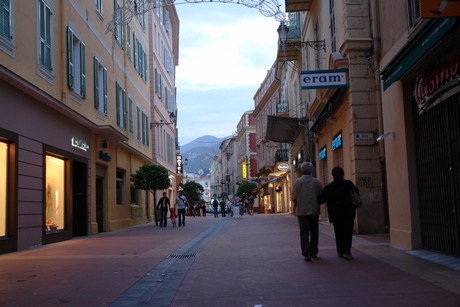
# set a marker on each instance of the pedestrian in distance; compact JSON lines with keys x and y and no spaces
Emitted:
{"x":163,"y":208}
{"x":305,"y":194}
{"x":341,"y":211}
{"x":222,"y":207}
{"x":251,"y":205}
{"x":181,"y":203}
{"x":203,"y":208}
{"x":173,"y":215}
{"x":215,"y":205}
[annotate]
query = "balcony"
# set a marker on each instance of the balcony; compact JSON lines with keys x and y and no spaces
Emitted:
{"x":282,"y":155}
{"x":297,"y":5}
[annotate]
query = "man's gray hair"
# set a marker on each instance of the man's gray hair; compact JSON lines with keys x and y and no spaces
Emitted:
{"x":306,"y":167}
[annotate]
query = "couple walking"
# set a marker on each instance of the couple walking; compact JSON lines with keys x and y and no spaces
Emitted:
{"x":308,"y":194}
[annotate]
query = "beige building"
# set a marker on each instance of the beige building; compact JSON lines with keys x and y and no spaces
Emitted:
{"x":419,"y":62}
{"x":75,"y":119}
{"x":336,"y":38}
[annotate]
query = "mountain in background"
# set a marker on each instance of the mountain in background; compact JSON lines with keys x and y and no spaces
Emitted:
{"x":200,"y":153}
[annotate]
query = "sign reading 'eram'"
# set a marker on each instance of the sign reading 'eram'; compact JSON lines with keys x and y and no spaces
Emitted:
{"x":312,"y":79}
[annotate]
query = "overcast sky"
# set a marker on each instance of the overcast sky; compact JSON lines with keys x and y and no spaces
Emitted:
{"x":225,"y":51}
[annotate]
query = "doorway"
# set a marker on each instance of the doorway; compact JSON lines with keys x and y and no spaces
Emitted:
{"x":100,"y":175}
{"x":79,"y":199}
{"x":437,"y":137}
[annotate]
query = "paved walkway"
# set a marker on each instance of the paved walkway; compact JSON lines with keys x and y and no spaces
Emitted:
{"x":249,"y":261}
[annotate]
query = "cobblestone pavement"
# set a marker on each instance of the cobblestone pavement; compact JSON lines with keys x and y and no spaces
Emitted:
{"x":248,"y":261}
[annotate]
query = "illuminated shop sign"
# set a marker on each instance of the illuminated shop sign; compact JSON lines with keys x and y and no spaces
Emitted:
{"x":244,"y":170}
{"x":323,"y":79}
{"x":283,"y":166}
{"x":179,"y":166}
{"x":322,"y":153}
{"x":80,"y":144}
{"x":337,"y":141}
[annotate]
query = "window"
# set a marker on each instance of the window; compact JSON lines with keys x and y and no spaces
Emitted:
{"x":100,"y":87}
{"x":333,"y":34}
{"x":120,"y":187}
{"x":5,"y":19}
{"x":135,"y":195}
{"x":45,"y":26}
{"x":3,"y":187}
{"x":55,"y":192}
{"x":414,"y":12}
{"x":99,"y":7}
{"x":76,"y":64}
{"x":128,"y":42}
{"x":140,"y":59}
{"x":119,"y":24}
{"x":121,"y":106}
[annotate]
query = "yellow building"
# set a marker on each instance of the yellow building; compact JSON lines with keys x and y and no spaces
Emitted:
{"x":74,"y":121}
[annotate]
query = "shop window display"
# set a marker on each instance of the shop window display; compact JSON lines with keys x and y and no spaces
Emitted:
{"x":55,"y":180}
{"x":3,"y":187}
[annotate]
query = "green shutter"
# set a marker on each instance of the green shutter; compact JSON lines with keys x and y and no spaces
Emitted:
{"x":104,"y":84}
{"x":117,"y":99}
{"x":96,"y":83}
{"x":70,"y":70}
{"x":82,"y":70}
{"x":123,"y":109}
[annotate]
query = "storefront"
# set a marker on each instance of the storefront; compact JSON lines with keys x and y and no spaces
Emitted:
{"x":421,"y":101}
{"x":43,"y":171}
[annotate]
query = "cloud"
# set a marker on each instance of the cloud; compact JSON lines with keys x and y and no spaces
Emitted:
{"x":225,"y":51}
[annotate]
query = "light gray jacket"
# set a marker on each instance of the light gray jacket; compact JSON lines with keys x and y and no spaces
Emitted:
{"x":305,"y":194}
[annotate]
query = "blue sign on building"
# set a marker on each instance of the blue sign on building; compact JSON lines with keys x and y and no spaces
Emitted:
{"x":337,"y":141}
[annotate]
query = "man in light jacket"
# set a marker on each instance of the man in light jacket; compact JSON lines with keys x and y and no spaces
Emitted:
{"x":305,"y":194}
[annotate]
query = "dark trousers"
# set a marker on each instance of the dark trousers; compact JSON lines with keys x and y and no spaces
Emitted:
{"x":181,"y":216}
{"x":343,"y":230}
{"x":309,"y":232}
{"x":163,"y":217}
{"x":216,"y":211}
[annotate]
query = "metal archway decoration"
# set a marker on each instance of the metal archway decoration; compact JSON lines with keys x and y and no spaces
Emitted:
{"x":131,"y":8}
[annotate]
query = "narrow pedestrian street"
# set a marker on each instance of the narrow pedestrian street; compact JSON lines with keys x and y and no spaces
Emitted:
{"x":248,"y":261}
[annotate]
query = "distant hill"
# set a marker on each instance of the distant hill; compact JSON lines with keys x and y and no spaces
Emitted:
{"x":200,"y":153}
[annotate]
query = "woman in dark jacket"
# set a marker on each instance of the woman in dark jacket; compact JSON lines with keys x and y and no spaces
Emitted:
{"x":341,"y":211}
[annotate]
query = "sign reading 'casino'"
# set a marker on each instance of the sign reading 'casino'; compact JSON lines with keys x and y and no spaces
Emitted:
{"x":312,"y":79}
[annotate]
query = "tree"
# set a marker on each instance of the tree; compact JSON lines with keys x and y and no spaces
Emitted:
{"x":151,"y":177}
{"x":246,"y":189}
{"x":193,"y":191}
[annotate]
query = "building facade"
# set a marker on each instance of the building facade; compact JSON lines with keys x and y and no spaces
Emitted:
{"x":419,"y":62}
{"x":74,"y":121}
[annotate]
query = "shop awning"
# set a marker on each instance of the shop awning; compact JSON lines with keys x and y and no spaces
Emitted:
{"x":282,"y":129}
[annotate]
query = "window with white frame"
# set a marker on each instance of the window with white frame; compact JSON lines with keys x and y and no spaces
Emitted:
{"x":5,"y":20}
{"x":45,"y":27}
{"x":128,"y":42}
{"x":99,"y":7}
{"x":100,"y":87}
{"x":118,"y":33}
{"x":120,"y":101}
{"x":76,"y":63}
{"x":414,"y":12}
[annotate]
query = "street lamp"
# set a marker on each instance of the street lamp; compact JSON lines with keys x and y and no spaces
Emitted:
{"x":172,"y":121}
{"x":283,"y":31}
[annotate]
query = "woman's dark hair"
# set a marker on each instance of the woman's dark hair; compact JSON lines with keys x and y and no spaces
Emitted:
{"x":337,"y":173}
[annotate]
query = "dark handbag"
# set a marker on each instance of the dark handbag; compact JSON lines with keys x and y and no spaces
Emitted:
{"x":356,"y":199}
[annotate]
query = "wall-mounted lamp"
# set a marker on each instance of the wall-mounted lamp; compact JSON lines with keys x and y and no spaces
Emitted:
{"x":172,"y":121}
{"x":385,"y":135}
{"x":105,"y":144}
{"x":283,"y":31}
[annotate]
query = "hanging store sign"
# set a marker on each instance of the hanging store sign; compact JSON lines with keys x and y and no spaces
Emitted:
{"x":313,"y":79}
{"x":322,"y":154}
{"x":337,"y":141}
{"x":244,"y":170}
{"x":283,"y":167}
{"x":179,"y":165}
